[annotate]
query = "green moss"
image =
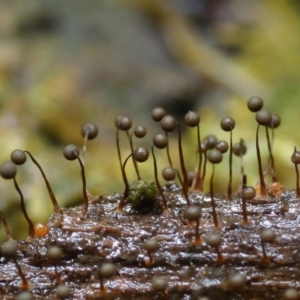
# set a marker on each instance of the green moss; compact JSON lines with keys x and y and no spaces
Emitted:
{"x":142,"y":193}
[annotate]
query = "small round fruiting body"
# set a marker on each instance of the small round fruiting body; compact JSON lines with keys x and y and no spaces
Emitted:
{"x":123,"y":122}
{"x":237,"y":281}
{"x":158,"y":113}
{"x":41,"y":229}
{"x":267,"y":235}
{"x":107,"y":270}
{"x":8,"y":170}
{"x":159,"y":283}
{"x":140,"y":154}
{"x":18,"y":157}
{"x":160,"y":140}
{"x":168,"y":123}
{"x":214,"y":239}
{"x":71,"y":152}
{"x":193,"y":212}
{"x":9,"y":249}
{"x":90,"y":130}
{"x":140,"y":131}
{"x":151,"y":245}
{"x":263,"y":117}
{"x":255,"y":103}
{"x":214,"y":156}
{"x":222,"y":146}
{"x":168,"y":174}
{"x":248,"y":192}
{"x":63,"y":291}
{"x":192,"y":119}
{"x":227,"y":124}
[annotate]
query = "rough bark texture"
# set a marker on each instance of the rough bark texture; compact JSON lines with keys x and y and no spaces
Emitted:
{"x":192,"y":271}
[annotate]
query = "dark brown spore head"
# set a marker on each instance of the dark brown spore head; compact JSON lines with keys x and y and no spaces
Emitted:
{"x":63,"y":291}
{"x":54,"y":253}
{"x":237,"y":281}
{"x":123,"y":122}
{"x":295,"y":158}
{"x":255,"y":103}
{"x":168,"y":123}
{"x":71,"y":152}
{"x":160,"y":140}
{"x":25,"y":296}
{"x":9,"y":249}
{"x":239,"y":148}
{"x":263,"y":117}
{"x":192,"y":119}
{"x":214,"y":156}
{"x":8,"y":170}
{"x":248,"y":192}
{"x":140,"y":131}
{"x":18,"y":157}
{"x":157,"y":114}
{"x":267,"y":235}
{"x":214,"y":239}
{"x":89,"y":129}
{"x":291,"y":294}
{"x":168,"y":174}
{"x":193,"y":212}
{"x":151,"y":245}
{"x":141,"y":154}
{"x":227,"y":124}
{"x":222,"y":146}
{"x":159,"y":283}
{"x":210,"y":141}
{"x":107,"y":270}
{"x":276,"y":121}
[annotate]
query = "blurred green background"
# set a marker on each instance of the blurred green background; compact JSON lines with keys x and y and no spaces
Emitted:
{"x":64,"y":63}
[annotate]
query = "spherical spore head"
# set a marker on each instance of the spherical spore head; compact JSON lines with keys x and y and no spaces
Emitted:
{"x":168,"y":123}
{"x":263,"y":117}
{"x":295,"y":158}
{"x":237,"y":281}
{"x":227,"y":124}
{"x":89,"y":129}
{"x":71,"y":152}
{"x":151,"y":245}
{"x":248,"y":192}
{"x":192,"y":119}
{"x":215,"y":156}
{"x":255,"y":103}
{"x":25,"y":296}
{"x":267,"y":235}
{"x":222,"y":146}
{"x":193,"y":212}
{"x":140,"y":154}
{"x":214,"y":239}
{"x":240,"y":148}
{"x":160,"y":140}
{"x":63,"y":291}
{"x":158,"y":113}
{"x":8,"y":170}
{"x":140,"y":131}
{"x":54,"y":253}
{"x":123,"y":122}
{"x":9,"y":249}
{"x":142,"y":194}
{"x":18,"y":157}
{"x":107,"y":270}
{"x":159,"y":283}
{"x":168,"y":174}
{"x":291,"y":294}
{"x":276,"y":121}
